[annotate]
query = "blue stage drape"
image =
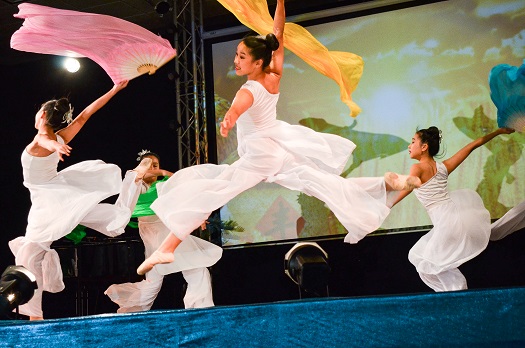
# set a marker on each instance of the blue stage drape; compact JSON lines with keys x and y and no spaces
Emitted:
{"x":470,"y":318}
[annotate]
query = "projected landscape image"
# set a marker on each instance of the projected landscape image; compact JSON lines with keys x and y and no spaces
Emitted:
{"x":425,"y":65}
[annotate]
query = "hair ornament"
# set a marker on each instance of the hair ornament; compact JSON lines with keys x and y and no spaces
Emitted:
{"x":68,"y":115}
{"x":142,"y":153}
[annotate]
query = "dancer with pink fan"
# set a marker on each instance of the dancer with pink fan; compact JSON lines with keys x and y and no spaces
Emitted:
{"x":270,"y":150}
{"x":461,"y":222}
{"x":61,"y":200}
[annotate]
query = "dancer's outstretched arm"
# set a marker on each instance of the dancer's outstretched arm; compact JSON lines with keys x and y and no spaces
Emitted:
{"x":70,"y":131}
{"x":454,"y":161}
{"x":276,"y":65}
{"x":273,"y":72}
{"x":243,"y":100}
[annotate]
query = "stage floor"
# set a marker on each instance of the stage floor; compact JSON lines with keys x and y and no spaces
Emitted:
{"x":470,"y":318}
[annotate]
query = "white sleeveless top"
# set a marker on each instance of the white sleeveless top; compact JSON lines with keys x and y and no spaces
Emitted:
{"x":434,"y":191}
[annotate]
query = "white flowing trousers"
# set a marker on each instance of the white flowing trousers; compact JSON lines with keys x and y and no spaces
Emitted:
{"x":190,"y":195}
{"x":192,"y":258}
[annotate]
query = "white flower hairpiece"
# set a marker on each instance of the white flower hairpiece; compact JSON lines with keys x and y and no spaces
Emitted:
{"x":68,"y":116}
{"x":142,"y":153}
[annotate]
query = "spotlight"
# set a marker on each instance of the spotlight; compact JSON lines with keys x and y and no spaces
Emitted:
{"x":72,"y":65}
{"x":161,"y":7}
{"x":307,"y":265}
{"x":17,"y":286}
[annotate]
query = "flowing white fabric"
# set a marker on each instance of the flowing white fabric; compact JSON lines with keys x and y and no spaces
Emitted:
{"x":191,"y":258}
{"x":59,"y":202}
{"x":512,"y":221}
{"x":293,"y":156}
{"x":450,"y":280}
{"x":461,"y":232}
{"x":44,"y":263}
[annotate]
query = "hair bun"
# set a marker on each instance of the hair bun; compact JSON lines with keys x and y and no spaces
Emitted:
{"x":435,"y":132}
{"x":62,"y":105}
{"x":272,"y":42}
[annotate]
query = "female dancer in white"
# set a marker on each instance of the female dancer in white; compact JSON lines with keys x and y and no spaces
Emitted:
{"x":62,"y":200}
{"x":461,"y":228}
{"x":191,"y":258}
{"x":270,"y":150}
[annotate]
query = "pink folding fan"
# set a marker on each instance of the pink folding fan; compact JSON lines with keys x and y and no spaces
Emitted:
{"x":123,"y":49}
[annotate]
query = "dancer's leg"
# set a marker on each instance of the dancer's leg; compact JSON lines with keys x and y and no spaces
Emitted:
{"x":33,"y":307}
{"x":399,"y":182}
{"x":360,"y":204}
{"x":449,"y":280}
{"x":31,"y":256}
{"x":33,"y":263}
{"x":139,"y":296}
{"x":199,"y":291}
{"x":452,"y":280}
{"x":189,"y":197}
{"x":164,"y":254}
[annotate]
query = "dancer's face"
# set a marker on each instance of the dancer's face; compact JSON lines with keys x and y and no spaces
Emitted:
{"x":39,"y":118}
{"x":416,"y":147}
{"x":155,"y":164}
{"x":244,"y":62}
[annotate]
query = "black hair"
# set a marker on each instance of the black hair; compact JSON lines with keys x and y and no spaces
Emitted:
{"x":262,"y":47}
{"x":57,"y":113}
{"x":432,"y":137}
{"x":147,"y":153}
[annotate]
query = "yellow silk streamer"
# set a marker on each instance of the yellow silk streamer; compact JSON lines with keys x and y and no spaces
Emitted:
{"x":343,"y":67}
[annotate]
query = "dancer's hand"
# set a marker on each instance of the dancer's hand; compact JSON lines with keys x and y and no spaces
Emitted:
{"x":225,"y":127}
{"x":121,"y":85}
{"x":505,"y":130}
{"x":61,"y":149}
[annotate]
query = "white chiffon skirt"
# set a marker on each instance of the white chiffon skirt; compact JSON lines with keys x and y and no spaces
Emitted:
{"x":461,"y":231}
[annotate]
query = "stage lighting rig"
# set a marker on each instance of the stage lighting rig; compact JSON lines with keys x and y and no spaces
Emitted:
{"x":162,"y":7}
{"x":17,"y":286}
{"x":307,"y":266}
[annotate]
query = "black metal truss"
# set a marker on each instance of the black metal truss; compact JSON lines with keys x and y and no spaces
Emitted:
{"x":190,"y":88}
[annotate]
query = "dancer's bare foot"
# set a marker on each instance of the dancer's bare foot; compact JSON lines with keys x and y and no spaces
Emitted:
{"x":402,"y":182}
{"x":142,"y":168}
{"x":156,"y":258}
{"x":412,"y":182}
